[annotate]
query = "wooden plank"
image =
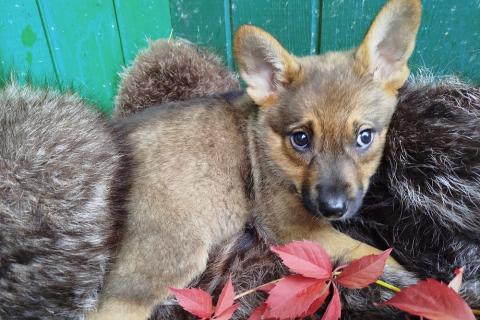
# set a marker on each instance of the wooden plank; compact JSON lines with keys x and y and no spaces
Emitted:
{"x":85,"y":46}
{"x":201,"y":22}
{"x":448,"y":41}
{"x":141,"y":20}
{"x":345,"y":22}
{"x":291,"y":22}
{"x":23,"y":47}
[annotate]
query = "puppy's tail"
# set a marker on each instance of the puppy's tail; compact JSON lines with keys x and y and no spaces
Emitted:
{"x":171,"y":70}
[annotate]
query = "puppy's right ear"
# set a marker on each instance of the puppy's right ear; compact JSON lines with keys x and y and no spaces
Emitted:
{"x":264,"y":64}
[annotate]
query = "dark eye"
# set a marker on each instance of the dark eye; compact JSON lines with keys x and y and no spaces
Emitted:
{"x":364,"y":139}
{"x":300,"y":140}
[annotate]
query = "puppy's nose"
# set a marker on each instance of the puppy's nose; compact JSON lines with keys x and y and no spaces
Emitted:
{"x":333,"y":206}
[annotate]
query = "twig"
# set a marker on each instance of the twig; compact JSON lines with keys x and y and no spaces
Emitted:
{"x":238,"y":296}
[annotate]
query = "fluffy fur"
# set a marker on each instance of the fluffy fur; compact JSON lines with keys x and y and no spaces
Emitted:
{"x":171,"y":71}
{"x":425,"y":199}
{"x":57,"y":222}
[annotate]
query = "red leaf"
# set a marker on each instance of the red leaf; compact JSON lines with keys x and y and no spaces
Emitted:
{"x":316,"y":304}
{"x":267,"y":287}
{"x":306,"y":258}
{"x":227,"y":313}
{"x":195,"y":301}
{"x":431,"y":299}
{"x":293,"y":296}
{"x":362,"y":272}
{"x":334,"y":309}
{"x":258,"y":312}
{"x":225,"y":301}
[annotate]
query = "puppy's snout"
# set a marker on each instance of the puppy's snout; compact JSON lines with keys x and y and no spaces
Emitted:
{"x":332,"y":203}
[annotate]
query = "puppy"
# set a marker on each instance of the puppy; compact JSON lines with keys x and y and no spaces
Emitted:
{"x":296,"y":151}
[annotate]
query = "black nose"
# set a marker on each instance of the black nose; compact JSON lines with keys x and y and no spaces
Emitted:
{"x":333,"y":206}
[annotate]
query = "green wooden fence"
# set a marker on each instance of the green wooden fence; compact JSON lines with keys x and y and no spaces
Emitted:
{"x":83,"y":44}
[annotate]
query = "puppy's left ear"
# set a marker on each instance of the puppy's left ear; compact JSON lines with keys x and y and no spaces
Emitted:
{"x":389,"y":43}
{"x":264,"y":64}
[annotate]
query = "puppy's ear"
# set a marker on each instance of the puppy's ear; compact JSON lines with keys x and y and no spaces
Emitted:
{"x":389,"y":43}
{"x":264,"y":64}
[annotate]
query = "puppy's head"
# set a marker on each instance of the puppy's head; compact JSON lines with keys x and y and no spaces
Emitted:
{"x":323,"y":119}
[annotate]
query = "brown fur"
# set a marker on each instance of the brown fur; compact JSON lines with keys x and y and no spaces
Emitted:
{"x":203,"y":168}
{"x":171,"y":70}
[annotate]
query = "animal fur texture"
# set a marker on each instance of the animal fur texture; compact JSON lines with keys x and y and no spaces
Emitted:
{"x":58,"y":169}
{"x":204,"y":167}
{"x":171,"y":70}
{"x":423,"y":202}
{"x":425,"y":199}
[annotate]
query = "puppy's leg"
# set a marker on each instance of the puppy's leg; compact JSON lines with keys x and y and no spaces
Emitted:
{"x":339,"y":245}
{"x":148,"y":281}
{"x":154,"y":255}
{"x":115,"y":309}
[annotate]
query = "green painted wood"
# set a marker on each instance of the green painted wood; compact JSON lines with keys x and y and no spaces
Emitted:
{"x":84,"y":43}
{"x":201,"y":22}
{"x":291,"y":22}
{"x":141,"y":20}
{"x":448,"y":41}
{"x":85,"y":46}
{"x":23,"y":47}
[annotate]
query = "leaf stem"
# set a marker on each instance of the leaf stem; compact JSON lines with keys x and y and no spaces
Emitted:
{"x":238,"y":296}
{"x":387,"y":285}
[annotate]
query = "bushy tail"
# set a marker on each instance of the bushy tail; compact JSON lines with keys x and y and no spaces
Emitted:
{"x":58,"y":163}
{"x":171,"y":70}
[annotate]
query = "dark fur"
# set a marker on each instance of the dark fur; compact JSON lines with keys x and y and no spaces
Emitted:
{"x":57,"y":168}
{"x":425,"y":199}
{"x":171,"y":71}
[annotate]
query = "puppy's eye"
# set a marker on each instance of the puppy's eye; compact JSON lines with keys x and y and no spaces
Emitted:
{"x":364,"y":139}
{"x":300,"y":140}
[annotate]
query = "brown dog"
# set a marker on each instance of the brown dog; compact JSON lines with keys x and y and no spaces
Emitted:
{"x":298,"y":150}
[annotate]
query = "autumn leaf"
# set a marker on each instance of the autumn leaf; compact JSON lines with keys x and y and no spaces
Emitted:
{"x":258,"y":312}
{"x":317,"y":304}
{"x":334,"y":309}
{"x":267,"y":287}
{"x":433,"y":300}
{"x":195,"y":301}
{"x":225,"y":301}
{"x":306,"y":258}
{"x":361,"y":272}
{"x":227,"y":313}
{"x":293,"y":296}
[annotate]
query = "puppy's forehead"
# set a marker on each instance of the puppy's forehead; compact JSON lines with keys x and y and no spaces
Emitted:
{"x":331,"y":88}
